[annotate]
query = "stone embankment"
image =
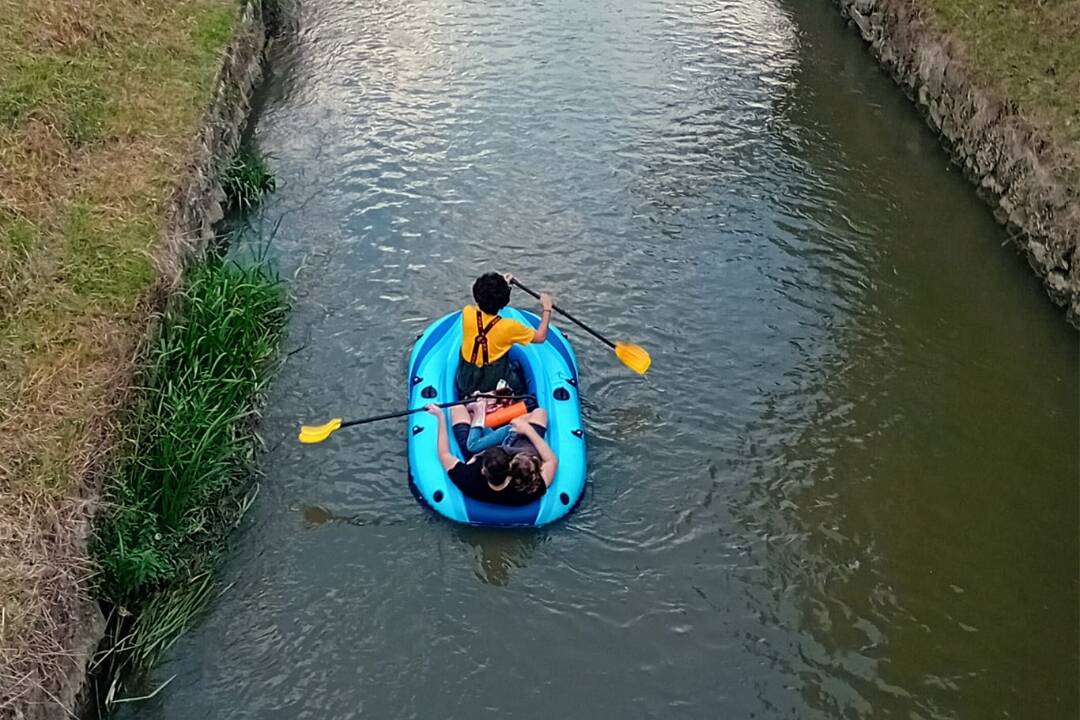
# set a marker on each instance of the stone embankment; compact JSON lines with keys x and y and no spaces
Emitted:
{"x":1026,"y":173}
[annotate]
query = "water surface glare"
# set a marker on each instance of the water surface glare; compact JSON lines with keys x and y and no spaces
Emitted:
{"x":848,"y":486}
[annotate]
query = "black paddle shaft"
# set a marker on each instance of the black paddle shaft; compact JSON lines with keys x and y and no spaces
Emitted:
{"x":568,"y":316}
{"x":405,"y":413}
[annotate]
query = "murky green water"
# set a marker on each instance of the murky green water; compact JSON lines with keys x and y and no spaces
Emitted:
{"x":849,"y":485}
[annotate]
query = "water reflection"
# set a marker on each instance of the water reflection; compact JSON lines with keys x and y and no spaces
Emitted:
{"x":499,"y":554}
{"x":315,"y":516}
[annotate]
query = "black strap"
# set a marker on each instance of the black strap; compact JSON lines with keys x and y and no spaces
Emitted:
{"x":480,"y":344}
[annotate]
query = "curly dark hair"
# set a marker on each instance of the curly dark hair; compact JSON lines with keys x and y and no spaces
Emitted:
{"x":491,"y":292}
{"x":525,"y":474}
{"x":496,"y":464}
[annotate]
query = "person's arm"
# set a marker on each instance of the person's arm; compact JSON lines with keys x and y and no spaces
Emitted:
{"x":546,"y":304}
{"x":446,"y":457}
{"x":549,"y":462}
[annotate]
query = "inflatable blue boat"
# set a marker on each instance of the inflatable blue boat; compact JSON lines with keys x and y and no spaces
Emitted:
{"x":551,"y":373}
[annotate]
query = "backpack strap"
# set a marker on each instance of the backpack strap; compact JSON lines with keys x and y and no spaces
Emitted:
{"x":480,"y":344}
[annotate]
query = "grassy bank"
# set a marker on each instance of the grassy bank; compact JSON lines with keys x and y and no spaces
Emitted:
{"x":186,"y":456}
{"x":1029,"y":49}
{"x":99,"y":103}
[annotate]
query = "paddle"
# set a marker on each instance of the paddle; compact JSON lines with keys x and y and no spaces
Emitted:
{"x":633,"y":356}
{"x":311,"y":434}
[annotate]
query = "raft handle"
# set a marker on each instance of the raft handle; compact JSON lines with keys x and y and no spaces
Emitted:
{"x":429,"y":392}
{"x":561,"y":393}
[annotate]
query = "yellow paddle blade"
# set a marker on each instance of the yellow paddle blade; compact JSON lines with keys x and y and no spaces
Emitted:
{"x":310,"y":434}
{"x":633,"y":356}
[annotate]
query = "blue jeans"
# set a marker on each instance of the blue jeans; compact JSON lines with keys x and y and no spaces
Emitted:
{"x":482,"y":438}
{"x":473,"y":440}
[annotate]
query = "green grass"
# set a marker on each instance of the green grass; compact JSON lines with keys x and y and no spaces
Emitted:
{"x":190,"y":443}
{"x":16,"y":246}
{"x":188,"y":446}
{"x":164,"y":618}
{"x":213,"y":29}
{"x":1028,"y":48}
{"x":73,"y":88}
{"x":100,"y":265}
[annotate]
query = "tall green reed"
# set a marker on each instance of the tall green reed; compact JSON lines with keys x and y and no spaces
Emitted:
{"x":247,"y":178}
{"x":190,"y":442}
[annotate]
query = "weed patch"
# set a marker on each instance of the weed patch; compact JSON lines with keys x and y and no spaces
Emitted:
{"x":69,"y":91}
{"x":187,"y":455}
{"x":247,"y":178}
{"x":189,"y":443}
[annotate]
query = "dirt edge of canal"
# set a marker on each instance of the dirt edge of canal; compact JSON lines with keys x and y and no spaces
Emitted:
{"x":52,"y":594}
{"x":1000,"y":103}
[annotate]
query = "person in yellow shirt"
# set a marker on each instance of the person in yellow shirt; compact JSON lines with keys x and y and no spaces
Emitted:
{"x":488,"y":337}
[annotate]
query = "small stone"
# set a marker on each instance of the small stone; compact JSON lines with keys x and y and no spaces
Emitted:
{"x":214,"y":212}
{"x":1038,"y":252}
{"x":863,"y":24}
{"x":1057,"y":281}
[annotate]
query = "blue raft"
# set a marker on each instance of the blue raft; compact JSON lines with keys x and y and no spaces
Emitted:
{"x":551,"y":373}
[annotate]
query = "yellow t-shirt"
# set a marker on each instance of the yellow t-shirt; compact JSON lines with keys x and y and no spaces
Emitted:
{"x":500,"y":338}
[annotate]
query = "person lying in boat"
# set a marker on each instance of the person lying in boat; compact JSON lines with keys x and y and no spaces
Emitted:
{"x":515,"y":472}
{"x":487,"y":337}
{"x":528,"y":467}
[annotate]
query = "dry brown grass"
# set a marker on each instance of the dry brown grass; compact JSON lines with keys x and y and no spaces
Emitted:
{"x":99,"y":100}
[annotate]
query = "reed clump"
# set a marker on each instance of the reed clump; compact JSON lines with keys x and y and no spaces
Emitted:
{"x":186,"y":455}
{"x":247,"y":178}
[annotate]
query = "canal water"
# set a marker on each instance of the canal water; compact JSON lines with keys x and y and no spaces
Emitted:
{"x":846,"y":489}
